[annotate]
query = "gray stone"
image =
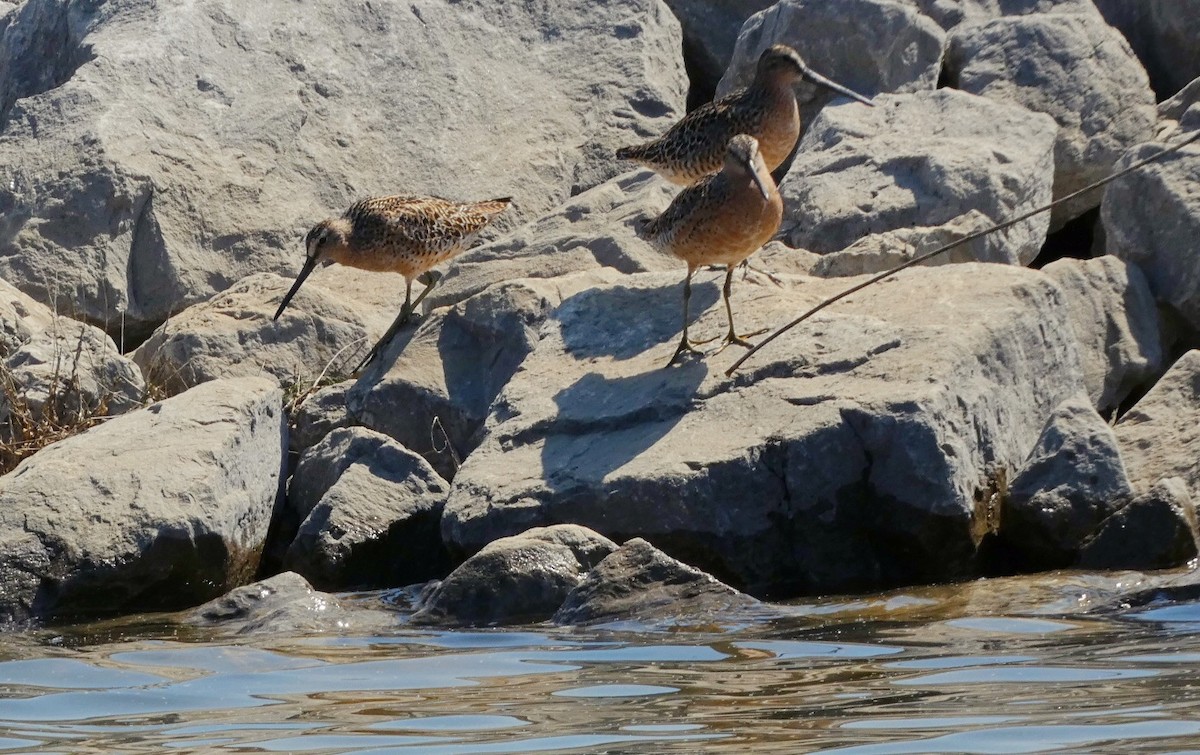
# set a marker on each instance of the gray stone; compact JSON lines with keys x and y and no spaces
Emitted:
{"x":921,"y":160}
{"x":326,"y":331}
{"x":431,"y":387}
{"x":1116,"y":323}
{"x":638,"y":582}
{"x":1073,"y":67}
{"x":283,"y":605}
{"x":870,"y":46}
{"x":319,"y":414}
{"x":523,"y":578}
{"x":369,"y":511}
{"x":55,"y":371}
{"x":1071,"y":481}
{"x":153,"y":154}
{"x":1152,"y":218}
{"x":1160,"y":435}
{"x":883,"y":251}
{"x":849,"y":454}
{"x":1165,"y":34}
{"x":1174,"y":108}
{"x":1157,"y":530}
{"x":951,"y":13}
{"x":596,"y":229}
{"x":160,"y":508}
{"x":710,"y":32}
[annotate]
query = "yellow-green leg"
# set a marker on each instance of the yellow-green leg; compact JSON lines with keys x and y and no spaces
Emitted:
{"x":685,"y":346}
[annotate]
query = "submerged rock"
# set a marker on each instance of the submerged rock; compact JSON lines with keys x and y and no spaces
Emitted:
{"x":850,"y":454}
{"x":638,"y":582}
{"x":161,"y":508}
{"x":523,"y":578}
{"x":368,"y":510}
{"x":283,"y":604}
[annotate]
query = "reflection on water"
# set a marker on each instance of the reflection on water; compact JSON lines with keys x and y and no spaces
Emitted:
{"x":897,"y":674}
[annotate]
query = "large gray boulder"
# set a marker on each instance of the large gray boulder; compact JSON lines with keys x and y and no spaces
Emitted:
{"x":951,"y":13}
{"x":193,"y":143}
{"x":638,"y":582}
{"x":849,"y":454}
{"x":1160,"y":435}
{"x":160,"y":508}
{"x":523,"y":578}
{"x":1071,"y":481}
{"x":596,"y":229}
{"x":431,"y":387}
{"x":332,"y":323}
{"x":1116,"y":324}
{"x":1152,"y":218}
{"x":921,"y":160}
{"x":1165,"y":34}
{"x":369,"y":511}
{"x":1175,"y":107}
{"x":56,"y":373}
{"x":1073,"y":67}
{"x":870,"y":46}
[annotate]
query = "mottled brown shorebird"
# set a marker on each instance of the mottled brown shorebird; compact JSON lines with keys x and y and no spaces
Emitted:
{"x":721,"y":220}
{"x":695,"y":146}
{"x":400,"y":234}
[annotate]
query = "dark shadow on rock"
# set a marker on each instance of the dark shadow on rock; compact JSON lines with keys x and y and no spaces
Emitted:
{"x":622,"y":322}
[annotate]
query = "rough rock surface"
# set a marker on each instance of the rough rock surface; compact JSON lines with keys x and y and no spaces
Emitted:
{"x":1071,"y":481}
{"x":638,"y":582}
{"x":870,"y":46}
{"x":1160,"y":435}
{"x":1165,"y":34}
{"x":369,"y":511}
{"x":160,"y":508}
{"x":431,"y":387}
{"x":1074,"y":67}
{"x":1175,"y":107}
{"x":951,"y":13}
{"x":596,"y":229}
{"x":319,"y":414}
{"x":192,"y":143}
{"x":56,"y":359}
{"x":1152,"y":218}
{"x":1116,"y":323}
{"x":883,"y":251}
{"x":849,"y":454}
{"x":283,"y":604}
{"x":1157,"y":530}
{"x":921,"y":160}
{"x":522,"y":578}
{"x":233,"y":335}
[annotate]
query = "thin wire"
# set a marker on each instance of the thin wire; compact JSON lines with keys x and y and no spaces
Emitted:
{"x":969,"y":237}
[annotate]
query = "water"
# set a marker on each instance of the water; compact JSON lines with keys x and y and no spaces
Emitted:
{"x":1033,"y":665}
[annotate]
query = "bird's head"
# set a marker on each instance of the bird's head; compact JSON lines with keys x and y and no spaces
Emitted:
{"x":782,"y":62}
{"x":742,"y":158}
{"x":323,"y":244}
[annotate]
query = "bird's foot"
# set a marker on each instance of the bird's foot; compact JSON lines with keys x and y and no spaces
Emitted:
{"x":733,"y":339}
{"x":748,"y":268}
{"x":685,"y":347}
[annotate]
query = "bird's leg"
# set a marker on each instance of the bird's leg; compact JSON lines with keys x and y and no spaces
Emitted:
{"x":747,"y":268}
{"x":685,"y":346}
{"x":399,"y":322}
{"x":732,"y":336}
{"x":430,"y":278}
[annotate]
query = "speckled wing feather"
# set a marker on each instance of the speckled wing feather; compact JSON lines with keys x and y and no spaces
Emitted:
{"x":431,"y":225}
{"x":687,"y":212}
{"x":695,"y":146}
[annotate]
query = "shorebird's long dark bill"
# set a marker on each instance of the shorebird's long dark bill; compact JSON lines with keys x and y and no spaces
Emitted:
{"x":309,"y":264}
{"x":817,"y":78}
{"x":762,"y":185}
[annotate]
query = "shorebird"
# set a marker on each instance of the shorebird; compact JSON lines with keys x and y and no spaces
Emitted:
{"x":721,"y":220}
{"x":695,"y":146}
{"x":401,"y":234}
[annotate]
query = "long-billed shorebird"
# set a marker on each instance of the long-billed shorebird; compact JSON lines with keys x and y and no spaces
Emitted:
{"x":721,"y":220}
{"x":400,"y":234}
{"x":695,"y":146}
